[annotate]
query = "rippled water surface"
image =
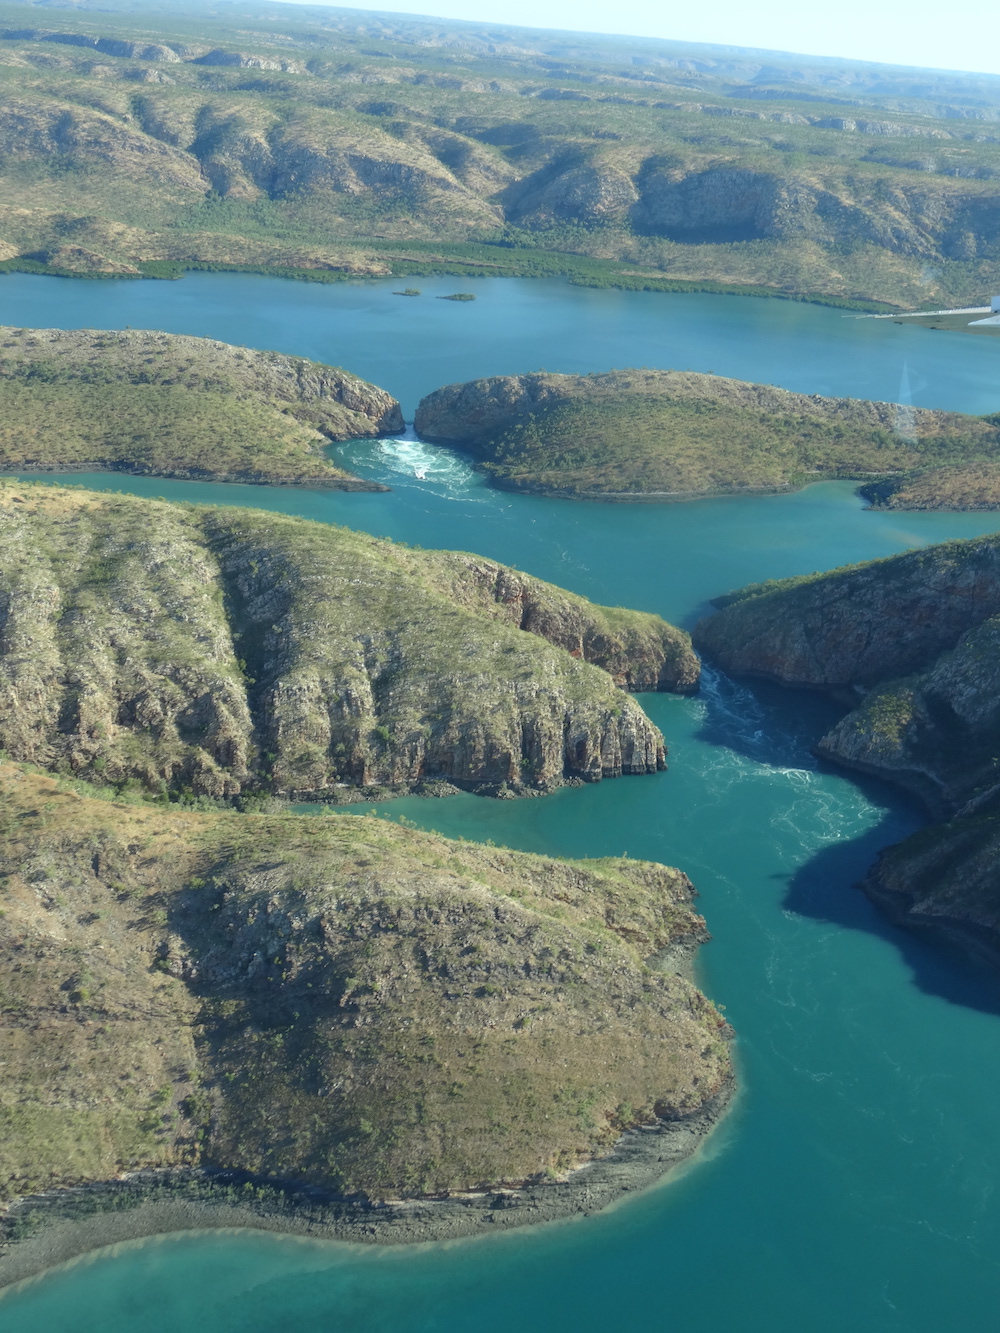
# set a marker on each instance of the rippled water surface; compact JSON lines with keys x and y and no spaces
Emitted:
{"x":854,"y":1185}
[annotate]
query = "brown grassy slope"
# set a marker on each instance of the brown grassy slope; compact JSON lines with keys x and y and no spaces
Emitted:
{"x":173,"y":405}
{"x":335,"y":1000}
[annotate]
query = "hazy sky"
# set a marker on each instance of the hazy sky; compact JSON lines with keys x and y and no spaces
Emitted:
{"x":956,"y":34}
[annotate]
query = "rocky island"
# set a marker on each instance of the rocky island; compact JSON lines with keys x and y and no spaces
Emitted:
{"x":170,"y":405}
{"x":633,"y":435}
{"x":912,"y":643}
{"x":224,"y":652}
{"x":331,"y":1025}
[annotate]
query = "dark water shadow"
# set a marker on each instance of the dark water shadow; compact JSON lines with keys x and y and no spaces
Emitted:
{"x":826,"y":888}
{"x":773,"y":725}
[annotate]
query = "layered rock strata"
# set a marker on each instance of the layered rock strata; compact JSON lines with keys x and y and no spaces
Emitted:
{"x":228,"y":651}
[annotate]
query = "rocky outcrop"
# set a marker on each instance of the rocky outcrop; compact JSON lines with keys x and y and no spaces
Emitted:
{"x":640,"y":652}
{"x":942,"y":882}
{"x":860,"y":625}
{"x":340,"y":1007}
{"x":937,"y":731}
{"x":228,"y":651}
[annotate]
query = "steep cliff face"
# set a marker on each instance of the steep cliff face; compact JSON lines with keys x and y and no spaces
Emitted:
{"x":860,"y":625}
{"x":943,"y":882}
{"x":915,"y":640}
{"x":937,"y":731}
{"x":173,"y":405}
{"x":228,"y":650}
{"x":338,"y":1002}
{"x":635,"y":434}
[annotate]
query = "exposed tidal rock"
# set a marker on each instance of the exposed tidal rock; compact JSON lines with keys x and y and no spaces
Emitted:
{"x":172,"y":405}
{"x":228,"y":650}
{"x":662,"y":435}
{"x":354,"y":1009}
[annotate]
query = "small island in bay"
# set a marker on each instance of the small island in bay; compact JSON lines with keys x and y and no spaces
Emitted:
{"x":170,"y":405}
{"x":912,"y":642}
{"x":660,"y":435}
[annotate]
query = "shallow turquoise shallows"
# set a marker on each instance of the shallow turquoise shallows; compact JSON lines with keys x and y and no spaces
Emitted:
{"x":856,"y":1183}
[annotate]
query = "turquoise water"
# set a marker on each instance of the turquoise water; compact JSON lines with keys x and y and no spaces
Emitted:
{"x":855,"y":1184}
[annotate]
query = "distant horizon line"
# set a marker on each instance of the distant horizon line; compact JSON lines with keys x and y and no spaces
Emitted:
{"x":733,"y":48}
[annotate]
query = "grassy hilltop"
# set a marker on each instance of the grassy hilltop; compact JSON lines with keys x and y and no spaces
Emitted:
{"x":338,"y":1002}
{"x":139,"y":138}
{"x":650,"y":434}
{"x":175,"y":406}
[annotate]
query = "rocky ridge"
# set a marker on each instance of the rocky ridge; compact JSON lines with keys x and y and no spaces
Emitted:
{"x":227,"y":651}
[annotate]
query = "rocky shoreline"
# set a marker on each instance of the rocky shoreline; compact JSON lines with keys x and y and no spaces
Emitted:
{"x":43,"y":1230}
{"x":319,"y":482}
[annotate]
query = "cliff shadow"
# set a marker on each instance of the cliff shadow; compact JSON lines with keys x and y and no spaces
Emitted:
{"x":827,"y":888}
{"x":770,"y":724}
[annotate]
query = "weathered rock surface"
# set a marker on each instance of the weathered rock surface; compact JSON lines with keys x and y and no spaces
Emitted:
{"x":338,"y":1003}
{"x":859,"y":625}
{"x":227,"y":650}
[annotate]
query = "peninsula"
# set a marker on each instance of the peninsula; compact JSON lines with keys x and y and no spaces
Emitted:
{"x":660,"y":435}
{"x":330,"y":1025}
{"x":170,"y":405}
{"x":223,"y":652}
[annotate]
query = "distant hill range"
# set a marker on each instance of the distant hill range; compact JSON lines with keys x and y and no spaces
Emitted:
{"x":142,"y":138}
